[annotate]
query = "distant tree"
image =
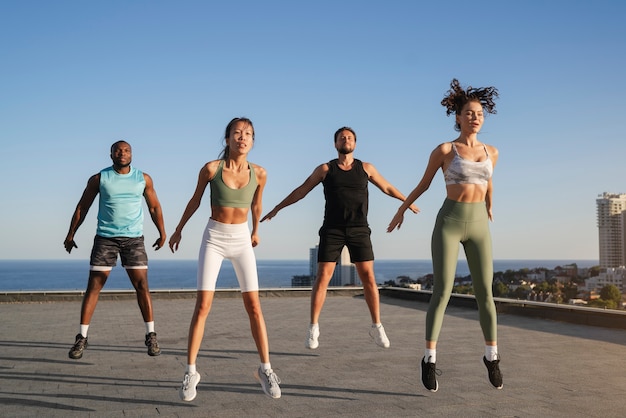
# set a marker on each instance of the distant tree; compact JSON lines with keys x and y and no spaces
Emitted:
{"x":570,"y":291}
{"x":465,"y":289}
{"x":509,"y":275}
{"x":500,"y":290}
{"x":601,"y":303}
{"x":521,"y":292}
{"x":610,"y":292}
{"x":594,"y":271}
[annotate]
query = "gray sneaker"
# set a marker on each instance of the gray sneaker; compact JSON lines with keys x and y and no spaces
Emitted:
{"x":187,"y":390}
{"x":269,"y":382}
{"x":76,"y":351}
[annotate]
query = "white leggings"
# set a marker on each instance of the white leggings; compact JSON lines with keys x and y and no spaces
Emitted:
{"x":231,"y":241}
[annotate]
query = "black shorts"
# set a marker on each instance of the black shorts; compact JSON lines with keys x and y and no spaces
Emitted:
{"x":131,"y":250}
{"x":357,"y":239}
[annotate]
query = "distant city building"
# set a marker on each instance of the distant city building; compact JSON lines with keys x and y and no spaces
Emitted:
{"x":302,"y":281}
{"x":345,"y":271}
{"x":615,"y":276}
{"x":611,"y":209}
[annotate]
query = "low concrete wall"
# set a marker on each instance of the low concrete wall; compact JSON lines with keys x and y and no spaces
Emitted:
{"x":57,"y":296}
{"x":608,"y":318}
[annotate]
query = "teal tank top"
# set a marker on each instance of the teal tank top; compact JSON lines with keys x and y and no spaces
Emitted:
{"x":120,"y":211}
{"x":226,"y":197}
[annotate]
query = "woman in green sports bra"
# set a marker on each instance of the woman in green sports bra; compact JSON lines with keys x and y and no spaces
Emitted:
{"x":236,"y":190}
{"x":467,"y":166}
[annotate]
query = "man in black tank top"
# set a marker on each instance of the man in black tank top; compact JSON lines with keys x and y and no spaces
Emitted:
{"x":345,"y":181}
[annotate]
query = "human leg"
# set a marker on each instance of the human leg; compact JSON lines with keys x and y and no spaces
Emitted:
{"x":96,"y":282}
{"x":135,"y":261}
{"x":480,"y":261}
{"x":325,"y":272}
{"x":446,"y":236}
{"x":257,"y":324}
{"x":244,"y":263}
{"x":139,"y":279}
{"x":102,"y":260}
{"x":365,"y":270}
{"x":204,"y":300}
{"x":209,"y":263}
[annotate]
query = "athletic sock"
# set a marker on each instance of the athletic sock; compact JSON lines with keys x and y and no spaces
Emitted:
{"x":191,"y":368}
{"x":491,"y":352}
{"x":83,"y":330}
{"x":266,"y":366}
{"x":149,"y":327}
{"x":430,"y":355}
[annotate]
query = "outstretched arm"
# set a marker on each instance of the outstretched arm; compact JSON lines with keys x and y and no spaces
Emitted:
{"x":301,"y":191}
{"x":154,"y":207}
{"x":194,"y":203}
{"x":379,"y":181}
{"x":89,"y":194}
{"x":434,"y":163}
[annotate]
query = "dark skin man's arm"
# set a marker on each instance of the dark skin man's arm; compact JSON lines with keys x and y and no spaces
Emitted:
{"x":89,"y":195}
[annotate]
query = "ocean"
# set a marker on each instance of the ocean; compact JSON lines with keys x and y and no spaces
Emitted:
{"x":69,"y":275}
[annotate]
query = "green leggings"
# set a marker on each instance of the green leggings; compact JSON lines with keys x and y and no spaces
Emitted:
{"x":468,"y":224}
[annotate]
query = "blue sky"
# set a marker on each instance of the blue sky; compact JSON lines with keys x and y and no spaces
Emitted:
{"x":168,"y":76}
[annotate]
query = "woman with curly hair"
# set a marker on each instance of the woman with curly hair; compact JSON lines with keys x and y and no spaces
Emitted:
{"x":467,"y":165}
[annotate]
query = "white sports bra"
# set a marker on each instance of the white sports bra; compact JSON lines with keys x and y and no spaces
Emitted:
{"x":461,"y":171}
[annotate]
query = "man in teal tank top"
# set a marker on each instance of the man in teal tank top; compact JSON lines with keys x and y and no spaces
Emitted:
{"x":122,"y":189}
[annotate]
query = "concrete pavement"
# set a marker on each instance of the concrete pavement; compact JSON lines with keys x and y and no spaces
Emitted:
{"x":550,"y":369}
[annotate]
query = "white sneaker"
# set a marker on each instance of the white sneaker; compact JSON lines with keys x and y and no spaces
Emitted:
{"x":312,"y":336}
{"x":187,"y":390}
{"x":269,"y":382}
{"x":377,"y":332}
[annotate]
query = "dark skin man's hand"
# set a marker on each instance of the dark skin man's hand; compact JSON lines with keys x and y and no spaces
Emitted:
{"x":158,"y":244}
{"x":69,"y":245}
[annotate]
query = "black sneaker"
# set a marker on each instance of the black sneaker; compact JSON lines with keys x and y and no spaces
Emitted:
{"x":76,"y":351}
{"x":495,"y":377}
{"x":152,"y":344}
{"x":429,"y":376}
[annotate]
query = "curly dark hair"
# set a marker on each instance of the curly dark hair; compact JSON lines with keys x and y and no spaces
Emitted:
{"x":457,"y":97}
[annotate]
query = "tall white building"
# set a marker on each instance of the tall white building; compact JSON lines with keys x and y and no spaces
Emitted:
{"x":611,"y":209}
{"x":345,"y":271}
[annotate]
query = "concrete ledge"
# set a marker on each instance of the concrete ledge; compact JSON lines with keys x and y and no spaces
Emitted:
{"x":608,"y":318}
{"x":56,"y":296}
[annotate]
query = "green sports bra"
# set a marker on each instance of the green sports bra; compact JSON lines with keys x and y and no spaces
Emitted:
{"x":224,"y":196}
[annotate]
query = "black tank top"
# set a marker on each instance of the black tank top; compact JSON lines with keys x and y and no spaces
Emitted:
{"x":346,"y":195}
